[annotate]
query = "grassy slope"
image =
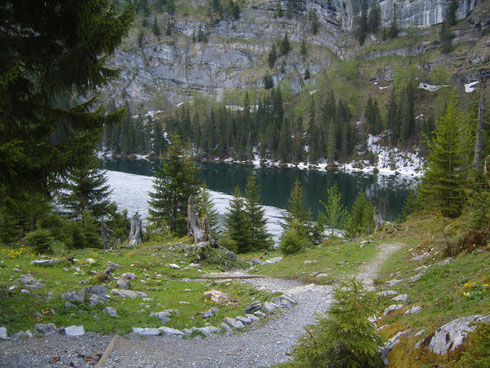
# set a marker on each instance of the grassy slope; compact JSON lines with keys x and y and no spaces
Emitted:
{"x":166,"y":287}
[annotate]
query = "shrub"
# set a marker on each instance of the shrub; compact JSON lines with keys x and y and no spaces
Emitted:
{"x":345,"y":337}
{"x":40,"y":240}
{"x":293,"y":241}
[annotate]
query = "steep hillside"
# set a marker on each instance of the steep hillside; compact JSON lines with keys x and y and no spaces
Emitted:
{"x":209,"y":48}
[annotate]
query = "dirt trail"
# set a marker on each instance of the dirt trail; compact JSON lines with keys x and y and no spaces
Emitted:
{"x":259,"y":346}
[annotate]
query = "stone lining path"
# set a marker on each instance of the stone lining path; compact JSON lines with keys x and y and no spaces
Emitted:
{"x":259,"y":346}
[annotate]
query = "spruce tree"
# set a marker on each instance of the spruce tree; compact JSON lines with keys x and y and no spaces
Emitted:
{"x":259,"y":237}
{"x":361,"y":220}
{"x":175,"y":180}
{"x":298,"y":212}
{"x":374,"y":17}
{"x":206,"y":208}
{"x":335,"y":213}
{"x":285,"y":45}
{"x":443,"y":181}
{"x":344,"y":337}
{"x":451,"y":12}
{"x":50,"y":49}
{"x":237,"y":224}
{"x":86,"y":191}
{"x":272,"y":56}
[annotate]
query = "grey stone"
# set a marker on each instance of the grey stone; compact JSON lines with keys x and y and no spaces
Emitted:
{"x":393,"y":282}
{"x":260,"y":314}
{"x":22,"y":335}
{"x":111,"y":266}
{"x":365,"y":242}
{"x":244,"y":320}
{"x":174,"y":266}
{"x":252,"y":307}
{"x":46,"y":328}
{"x":129,"y":276}
{"x":208,"y":330}
{"x":128,"y":293}
{"x":255,"y":261}
{"x":99,"y":290}
{"x":273,"y":260}
{"x":94,"y":299}
{"x":252,"y":317}
{"x":341,"y":263}
{"x":322,"y":275}
{"x":3,"y":333}
{"x":111,"y":312}
{"x":233,"y":323}
{"x":225,"y":326}
{"x":452,"y":334}
{"x":75,"y":331}
{"x":69,"y":305}
{"x":309,"y":263}
{"x":391,"y":344}
{"x":30,"y":282}
{"x":414,"y":309}
{"x":44,"y":262}
{"x":162,"y":316}
{"x":123,"y":283}
{"x":269,"y":307}
{"x":146,"y":331}
{"x":400,"y":298}
{"x":417,"y":277}
{"x":73,"y":296}
{"x":167,"y":331}
{"x":387,"y":293}
{"x":189,"y":331}
{"x":392,"y":308}
{"x":210,"y":313}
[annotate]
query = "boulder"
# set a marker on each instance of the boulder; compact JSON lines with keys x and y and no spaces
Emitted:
{"x":244,"y":320}
{"x":414,"y":309}
{"x":252,"y":317}
{"x":3,"y":333}
{"x":220,"y":298}
{"x":417,"y":277}
{"x":46,"y":328}
{"x":322,"y":275}
{"x":174,"y":266}
{"x":111,"y":266}
{"x":252,"y":307}
{"x":309,"y":263}
{"x":123,"y":283}
{"x":128,"y":293}
{"x":73,"y":296}
{"x":111,"y":312}
{"x":75,"y":331}
{"x":233,"y":323}
{"x":208,"y":330}
{"x":393,"y":282}
{"x":146,"y":331}
{"x":99,"y":290}
{"x":129,"y":276}
{"x":44,"y":262}
{"x":452,"y":334}
{"x":167,"y":331}
{"x":30,"y":282}
{"x":387,"y":293}
{"x":400,"y":298}
{"x":94,"y":299}
{"x":269,"y":307}
{"x":210,"y":313}
{"x":273,"y":260}
{"x":390,"y":344}
{"x":260,"y":314}
{"x":163,"y":317}
{"x":392,"y":308}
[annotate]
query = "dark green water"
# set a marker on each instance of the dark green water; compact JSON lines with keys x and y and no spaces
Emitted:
{"x":276,"y":183}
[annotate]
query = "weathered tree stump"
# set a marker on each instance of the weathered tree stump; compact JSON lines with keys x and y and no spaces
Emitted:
{"x":378,"y":220}
{"x":136,"y":232}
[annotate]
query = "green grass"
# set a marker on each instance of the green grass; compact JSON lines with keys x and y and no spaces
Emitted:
{"x":328,"y":256}
{"x":165,"y":288}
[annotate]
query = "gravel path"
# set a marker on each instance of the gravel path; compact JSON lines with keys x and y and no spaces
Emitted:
{"x":258,"y":346}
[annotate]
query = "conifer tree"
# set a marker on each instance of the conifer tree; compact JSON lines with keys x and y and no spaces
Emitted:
{"x":272,"y":56}
{"x":206,"y":208}
{"x":362,"y":23}
{"x":45,"y":56}
{"x":451,"y":12}
{"x":361,"y":221}
{"x":259,"y":237}
{"x":443,"y":181}
{"x":285,"y":45}
{"x":344,"y":337}
{"x":237,"y":224}
{"x":175,"y":180}
{"x":393,"y":32}
{"x":374,"y":17}
{"x":86,"y":190}
{"x":335,"y":213}
{"x":298,"y":212}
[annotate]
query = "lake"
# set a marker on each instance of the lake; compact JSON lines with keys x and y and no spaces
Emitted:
{"x":388,"y":193}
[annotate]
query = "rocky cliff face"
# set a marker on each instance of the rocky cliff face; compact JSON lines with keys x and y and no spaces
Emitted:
{"x":167,"y":70}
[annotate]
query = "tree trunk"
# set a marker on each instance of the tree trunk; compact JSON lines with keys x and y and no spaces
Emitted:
{"x":479,"y":130}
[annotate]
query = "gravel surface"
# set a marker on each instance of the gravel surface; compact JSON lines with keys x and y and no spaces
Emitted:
{"x":255,"y":347}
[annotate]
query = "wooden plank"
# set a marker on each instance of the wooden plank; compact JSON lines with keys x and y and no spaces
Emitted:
{"x":107,"y":352}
